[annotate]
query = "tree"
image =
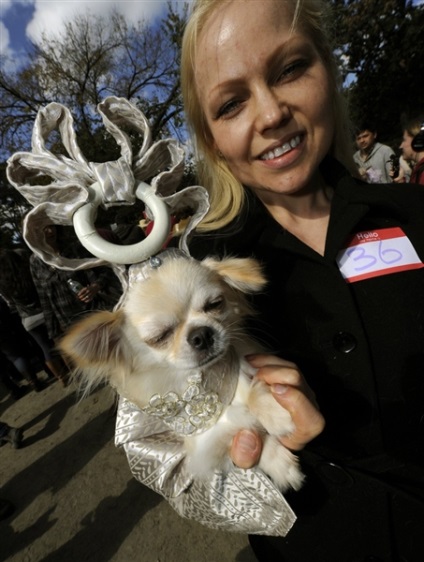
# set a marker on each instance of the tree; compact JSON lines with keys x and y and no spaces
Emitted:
{"x":380,"y":43}
{"x":13,"y":208}
{"x":94,"y":58}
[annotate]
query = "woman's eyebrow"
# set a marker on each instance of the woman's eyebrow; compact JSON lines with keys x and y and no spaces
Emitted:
{"x":284,"y":50}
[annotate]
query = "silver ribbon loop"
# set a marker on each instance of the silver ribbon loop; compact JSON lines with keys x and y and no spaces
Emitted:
{"x":62,"y":188}
{"x":116,"y":182}
{"x":84,"y":218}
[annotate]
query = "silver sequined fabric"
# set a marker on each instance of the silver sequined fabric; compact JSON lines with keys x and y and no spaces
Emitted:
{"x":244,"y":501}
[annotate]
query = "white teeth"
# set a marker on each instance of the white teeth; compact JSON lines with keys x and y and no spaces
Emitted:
{"x":279,"y":151}
{"x":294,"y":142}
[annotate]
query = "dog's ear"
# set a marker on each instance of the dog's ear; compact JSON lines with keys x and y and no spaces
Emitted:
{"x":96,"y":341}
{"x":244,"y":274}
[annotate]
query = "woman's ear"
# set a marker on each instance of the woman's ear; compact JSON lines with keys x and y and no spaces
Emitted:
{"x":216,"y":150}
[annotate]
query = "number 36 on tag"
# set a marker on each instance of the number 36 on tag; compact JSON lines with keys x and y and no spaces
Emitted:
{"x":372,"y":253}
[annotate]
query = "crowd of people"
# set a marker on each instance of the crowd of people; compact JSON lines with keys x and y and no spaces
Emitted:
{"x":378,"y":163}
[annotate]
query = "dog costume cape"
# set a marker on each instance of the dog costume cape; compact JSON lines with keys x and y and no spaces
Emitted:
{"x":241,"y":500}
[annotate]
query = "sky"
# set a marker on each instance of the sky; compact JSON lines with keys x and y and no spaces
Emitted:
{"x":21,"y":20}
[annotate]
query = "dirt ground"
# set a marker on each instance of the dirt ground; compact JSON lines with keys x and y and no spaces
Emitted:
{"x":75,"y":497}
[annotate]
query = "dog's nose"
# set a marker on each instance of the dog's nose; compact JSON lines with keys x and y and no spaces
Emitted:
{"x":201,"y":338}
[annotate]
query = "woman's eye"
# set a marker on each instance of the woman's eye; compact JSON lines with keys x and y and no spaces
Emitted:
{"x":228,"y":108}
{"x":291,"y":71}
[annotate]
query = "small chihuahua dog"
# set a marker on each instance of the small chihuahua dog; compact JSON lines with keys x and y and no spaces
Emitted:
{"x":176,"y":349}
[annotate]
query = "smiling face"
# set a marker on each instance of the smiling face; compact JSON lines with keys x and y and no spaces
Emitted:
{"x":266,"y":96}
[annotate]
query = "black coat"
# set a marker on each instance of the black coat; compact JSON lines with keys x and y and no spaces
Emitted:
{"x":360,"y":346}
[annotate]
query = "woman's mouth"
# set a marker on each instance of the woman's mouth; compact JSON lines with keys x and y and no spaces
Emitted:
{"x":280,"y":150}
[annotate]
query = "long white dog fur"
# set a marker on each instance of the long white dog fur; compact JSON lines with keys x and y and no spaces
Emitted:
{"x":187,"y":318}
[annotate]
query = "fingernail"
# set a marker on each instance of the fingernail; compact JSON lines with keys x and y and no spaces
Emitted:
{"x":279,"y":388}
{"x":247,"y":442}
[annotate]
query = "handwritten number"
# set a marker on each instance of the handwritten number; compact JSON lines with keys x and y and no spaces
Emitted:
{"x":371,"y":260}
{"x":366,"y":260}
{"x":384,"y":254}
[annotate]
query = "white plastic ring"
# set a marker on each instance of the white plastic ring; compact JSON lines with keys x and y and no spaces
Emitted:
{"x":84,"y":219}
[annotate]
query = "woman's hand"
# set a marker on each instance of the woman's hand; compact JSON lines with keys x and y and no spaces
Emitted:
{"x":291,"y":391}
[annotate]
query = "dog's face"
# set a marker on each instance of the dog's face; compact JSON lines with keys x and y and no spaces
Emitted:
{"x":187,"y":313}
{"x":185,"y":316}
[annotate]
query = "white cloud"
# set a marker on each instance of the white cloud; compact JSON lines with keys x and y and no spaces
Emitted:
{"x":51,"y":15}
{"x":4,"y":38}
{"x":6,"y":4}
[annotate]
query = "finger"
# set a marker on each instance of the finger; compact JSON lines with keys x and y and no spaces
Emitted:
{"x":307,"y":419}
{"x":85,"y":295}
{"x":274,"y":370}
{"x":259,"y":360}
{"x":275,"y":374}
{"x":246,"y":449}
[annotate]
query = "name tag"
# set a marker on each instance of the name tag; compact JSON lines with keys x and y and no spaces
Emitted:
{"x":377,"y":252}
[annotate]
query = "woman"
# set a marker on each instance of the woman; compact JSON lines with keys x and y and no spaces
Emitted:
{"x":344,"y":261}
{"x":415,"y":156}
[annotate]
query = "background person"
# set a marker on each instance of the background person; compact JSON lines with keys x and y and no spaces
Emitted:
{"x":18,"y":289}
{"x":100,"y":288}
{"x":402,"y":172}
{"x":15,"y":347}
{"x":10,"y":378}
{"x":416,"y":157}
{"x":372,"y":158}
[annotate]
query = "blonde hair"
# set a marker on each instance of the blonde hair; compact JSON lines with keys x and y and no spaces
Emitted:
{"x":413,"y":125}
{"x":226,"y":192}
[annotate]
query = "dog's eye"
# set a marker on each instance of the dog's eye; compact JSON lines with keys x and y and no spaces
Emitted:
{"x":214,"y":305}
{"x":160,"y":338}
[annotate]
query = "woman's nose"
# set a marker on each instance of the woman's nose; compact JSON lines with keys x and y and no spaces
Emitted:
{"x":271,"y":111}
